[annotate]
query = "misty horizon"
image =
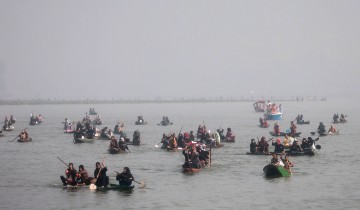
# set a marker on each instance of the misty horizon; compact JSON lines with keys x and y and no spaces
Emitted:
{"x":178,"y":49}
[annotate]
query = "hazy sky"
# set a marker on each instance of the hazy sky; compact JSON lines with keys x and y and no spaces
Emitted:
{"x":76,"y":49}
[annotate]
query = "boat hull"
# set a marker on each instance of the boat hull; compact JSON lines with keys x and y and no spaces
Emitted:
{"x":273,"y":171}
{"x":83,"y":140}
{"x":24,"y":140}
{"x":276,"y":116}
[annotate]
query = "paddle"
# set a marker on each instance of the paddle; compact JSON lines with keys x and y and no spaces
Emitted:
{"x":270,"y":139}
{"x":141,"y":183}
{"x":66,"y":164}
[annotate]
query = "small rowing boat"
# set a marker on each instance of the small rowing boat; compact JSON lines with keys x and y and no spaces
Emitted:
{"x":273,"y":171}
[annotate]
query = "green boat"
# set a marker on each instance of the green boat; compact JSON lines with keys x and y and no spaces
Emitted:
{"x":273,"y":171}
{"x":120,"y":187}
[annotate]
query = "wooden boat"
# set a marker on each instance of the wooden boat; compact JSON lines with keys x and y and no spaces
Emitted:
{"x":259,"y":153}
{"x":305,"y":152}
{"x":83,"y":140}
{"x":303,"y":122}
{"x":24,"y":140}
{"x":119,"y":187}
{"x":273,"y":171}
{"x":297,"y":134}
{"x":9,"y":128}
{"x":116,"y":151}
{"x":164,"y":123}
{"x":140,"y":122}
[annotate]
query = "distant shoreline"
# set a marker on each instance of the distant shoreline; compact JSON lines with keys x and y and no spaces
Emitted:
{"x":142,"y":101}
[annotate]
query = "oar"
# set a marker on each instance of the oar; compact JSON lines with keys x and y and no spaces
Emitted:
{"x":66,"y":164}
{"x":141,"y":183}
{"x":270,"y":139}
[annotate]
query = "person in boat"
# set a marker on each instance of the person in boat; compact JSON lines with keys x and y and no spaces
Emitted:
{"x":336,"y":118}
{"x":24,"y":135}
{"x":140,"y":119}
{"x":261,"y":120}
{"x":263,"y":145}
{"x":180,"y":141}
{"x":253,"y":146}
{"x":342,"y":118}
{"x":332,"y":129}
{"x":276,"y":161}
{"x":208,"y":139}
{"x":229,"y":135}
{"x":70,"y":174}
{"x":186,"y":138}
{"x":6,"y":120}
{"x":204,"y":155}
{"x":113,"y":143}
{"x":101,"y":179}
{"x":321,"y":128}
{"x":276,"y":129}
{"x":136,"y":138}
{"x":279,"y":148}
{"x":216,"y":138}
{"x":295,"y":147}
{"x":82,"y":176}
{"x":125,"y":178}
{"x":292,"y":128}
{"x":165,"y":141}
{"x":287,"y":162}
{"x":191,"y":158}
{"x":122,"y":144}
{"x":288,"y":141}
{"x":192,"y":136}
{"x":12,"y":119}
{"x":172,"y":142}
{"x":220,"y":131}
{"x":304,"y":143}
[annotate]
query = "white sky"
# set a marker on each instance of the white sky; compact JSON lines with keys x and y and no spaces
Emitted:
{"x":180,"y":48}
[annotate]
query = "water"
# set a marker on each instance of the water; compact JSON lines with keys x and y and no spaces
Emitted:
{"x":29,"y":178}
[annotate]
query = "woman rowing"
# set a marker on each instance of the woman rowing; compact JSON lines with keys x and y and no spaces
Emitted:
{"x":125,"y":178}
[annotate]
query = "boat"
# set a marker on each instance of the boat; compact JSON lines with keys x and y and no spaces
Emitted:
{"x":273,"y":116}
{"x":8,"y":128}
{"x":340,"y":121}
{"x":116,"y":151}
{"x":297,"y":134}
{"x":305,"y":152}
{"x":92,"y":111}
{"x":119,"y":187}
{"x":69,"y":130}
{"x":260,"y":153}
{"x":140,"y":123}
{"x":165,"y":123}
{"x":273,"y":171}
{"x":259,"y":106}
{"x":264,"y":126}
{"x":303,"y":122}
{"x":24,"y":140}
{"x":334,"y":133}
{"x":83,"y":140}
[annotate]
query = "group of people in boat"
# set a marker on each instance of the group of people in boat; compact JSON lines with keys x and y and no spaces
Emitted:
{"x":118,"y":145}
{"x":165,"y":121}
{"x":280,"y":161}
{"x":8,"y":123}
{"x":86,"y":130}
{"x":92,"y":111}
{"x":24,"y":136}
{"x":290,"y":143}
{"x":299,"y":119}
{"x":272,"y":108}
{"x":81,"y":176}
{"x":195,"y":156}
{"x":337,"y":119}
{"x":205,"y":135}
{"x":35,"y":119}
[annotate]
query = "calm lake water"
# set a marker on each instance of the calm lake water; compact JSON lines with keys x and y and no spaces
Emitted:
{"x":29,"y":178}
